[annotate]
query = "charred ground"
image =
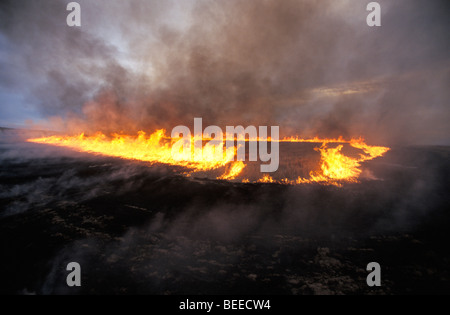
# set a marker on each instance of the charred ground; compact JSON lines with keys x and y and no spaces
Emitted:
{"x":140,"y":229}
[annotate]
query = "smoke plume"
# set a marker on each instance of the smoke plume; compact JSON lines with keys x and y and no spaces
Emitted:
{"x":312,"y":68}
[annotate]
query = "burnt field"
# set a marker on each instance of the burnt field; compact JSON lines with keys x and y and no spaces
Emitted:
{"x":136,"y":228}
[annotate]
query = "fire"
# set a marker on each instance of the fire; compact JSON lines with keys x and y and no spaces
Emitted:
{"x":370,"y":151}
{"x":235,"y":169}
{"x":266,"y":179}
{"x":335,"y":168}
{"x":313,"y":140}
{"x":154,"y":148}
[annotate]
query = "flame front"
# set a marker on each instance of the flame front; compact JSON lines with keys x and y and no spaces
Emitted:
{"x":335,"y":167}
{"x":235,"y":169}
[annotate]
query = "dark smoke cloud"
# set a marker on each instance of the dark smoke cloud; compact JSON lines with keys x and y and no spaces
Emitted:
{"x":314,"y":68}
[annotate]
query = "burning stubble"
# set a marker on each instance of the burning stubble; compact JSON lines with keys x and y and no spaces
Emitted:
{"x":334,"y":167}
{"x":213,"y":150}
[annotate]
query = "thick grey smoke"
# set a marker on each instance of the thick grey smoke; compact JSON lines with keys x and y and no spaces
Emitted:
{"x":313,"y":68}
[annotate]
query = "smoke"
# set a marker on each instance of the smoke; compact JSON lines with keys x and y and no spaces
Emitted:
{"x":36,"y":177}
{"x":311,"y":68}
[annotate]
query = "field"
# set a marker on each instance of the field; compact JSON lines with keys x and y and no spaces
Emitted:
{"x":140,"y":228}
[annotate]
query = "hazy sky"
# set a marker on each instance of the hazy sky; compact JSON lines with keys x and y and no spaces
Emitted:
{"x":311,"y":67}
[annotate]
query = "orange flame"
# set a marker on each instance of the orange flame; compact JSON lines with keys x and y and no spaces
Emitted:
{"x":335,"y":167}
{"x":235,"y":169}
{"x":266,"y":179}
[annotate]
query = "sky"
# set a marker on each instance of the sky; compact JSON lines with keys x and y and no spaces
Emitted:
{"x":310,"y":67}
